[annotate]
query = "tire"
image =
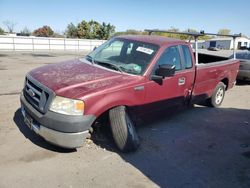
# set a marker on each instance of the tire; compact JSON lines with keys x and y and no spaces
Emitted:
{"x":217,"y":96}
{"x":123,"y":130}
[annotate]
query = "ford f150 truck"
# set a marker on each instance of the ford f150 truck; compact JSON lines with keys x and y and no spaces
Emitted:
{"x":138,"y":74}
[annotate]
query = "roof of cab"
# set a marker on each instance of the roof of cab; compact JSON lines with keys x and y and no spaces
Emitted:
{"x":158,"y":40}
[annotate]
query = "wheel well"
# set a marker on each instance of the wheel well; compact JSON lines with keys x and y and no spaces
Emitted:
{"x":225,"y":81}
{"x":104,"y":117}
{"x":102,"y":123}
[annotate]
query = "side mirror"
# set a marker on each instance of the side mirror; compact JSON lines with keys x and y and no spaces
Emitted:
{"x":163,"y":71}
{"x":94,"y":48}
{"x":166,"y":70}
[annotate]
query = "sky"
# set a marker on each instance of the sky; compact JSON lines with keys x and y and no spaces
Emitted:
{"x":208,"y":15}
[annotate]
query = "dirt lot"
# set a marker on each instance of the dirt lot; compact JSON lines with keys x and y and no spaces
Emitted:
{"x":197,"y":147}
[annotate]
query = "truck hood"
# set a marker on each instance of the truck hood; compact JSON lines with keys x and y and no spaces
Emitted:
{"x":76,"y":78}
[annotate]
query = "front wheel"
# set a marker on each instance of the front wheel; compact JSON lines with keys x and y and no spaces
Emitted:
{"x":218,"y":95}
{"x":123,"y":130}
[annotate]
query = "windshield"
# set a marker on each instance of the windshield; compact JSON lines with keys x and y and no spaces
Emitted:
{"x":124,"y":55}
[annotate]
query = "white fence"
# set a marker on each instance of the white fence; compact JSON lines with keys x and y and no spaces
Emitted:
{"x":19,"y":43}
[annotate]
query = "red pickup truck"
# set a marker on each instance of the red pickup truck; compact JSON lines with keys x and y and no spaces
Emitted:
{"x":125,"y":75}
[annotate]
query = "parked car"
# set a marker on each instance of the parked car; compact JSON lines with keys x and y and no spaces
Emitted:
{"x":243,"y":48}
{"x":213,"y":48}
{"x":125,"y":77}
{"x":244,"y":70}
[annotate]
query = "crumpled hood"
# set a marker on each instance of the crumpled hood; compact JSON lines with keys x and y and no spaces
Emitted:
{"x":76,"y":78}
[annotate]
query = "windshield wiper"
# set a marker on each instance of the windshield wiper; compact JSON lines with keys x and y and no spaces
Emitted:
{"x":118,"y":68}
{"x":90,"y":59}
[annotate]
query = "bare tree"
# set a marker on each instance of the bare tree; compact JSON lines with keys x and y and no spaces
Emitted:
{"x":224,"y":31}
{"x":9,"y":25}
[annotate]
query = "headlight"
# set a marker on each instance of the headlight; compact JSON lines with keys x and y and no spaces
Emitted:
{"x":67,"y":106}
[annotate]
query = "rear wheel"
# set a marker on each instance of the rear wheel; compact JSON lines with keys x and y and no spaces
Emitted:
{"x":123,"y":130}
{"x":218,"y":95}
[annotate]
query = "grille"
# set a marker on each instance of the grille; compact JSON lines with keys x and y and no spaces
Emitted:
{"x":37,"y":95}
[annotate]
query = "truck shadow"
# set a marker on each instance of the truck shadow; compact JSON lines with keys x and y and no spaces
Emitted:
{"x":242,"y":82}
{"x":33,"y":137}
{"x":192,"y":148}
{"x":198,"y":147}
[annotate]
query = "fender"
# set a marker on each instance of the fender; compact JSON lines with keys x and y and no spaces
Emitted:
{"x":96,"y":105}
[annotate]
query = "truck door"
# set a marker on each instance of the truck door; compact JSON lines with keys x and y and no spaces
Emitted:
{"x":174,"y":90}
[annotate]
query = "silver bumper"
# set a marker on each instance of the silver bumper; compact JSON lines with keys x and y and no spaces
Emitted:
{"x":65,"y":140}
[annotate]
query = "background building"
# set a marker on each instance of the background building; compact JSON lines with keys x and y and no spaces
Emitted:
{"x":227,"y":43}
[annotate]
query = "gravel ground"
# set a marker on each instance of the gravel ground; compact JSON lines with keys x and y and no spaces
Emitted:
{"x":196,"y":147}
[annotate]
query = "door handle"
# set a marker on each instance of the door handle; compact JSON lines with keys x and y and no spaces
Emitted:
{"x":139,"y":88}
{"x":181,"y":81}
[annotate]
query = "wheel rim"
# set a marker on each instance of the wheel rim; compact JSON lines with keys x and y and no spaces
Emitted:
{"x":219,"y":96}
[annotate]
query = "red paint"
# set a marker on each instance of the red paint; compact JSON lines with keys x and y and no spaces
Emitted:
{"x":102,"y":89}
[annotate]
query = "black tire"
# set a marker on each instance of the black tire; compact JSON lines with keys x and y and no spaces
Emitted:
{"x":217,"y":96}
{"x":123,"y":130}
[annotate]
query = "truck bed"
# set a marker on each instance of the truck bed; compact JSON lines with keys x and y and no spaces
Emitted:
{"x":207,"y":58}
{"x":210,"y":73}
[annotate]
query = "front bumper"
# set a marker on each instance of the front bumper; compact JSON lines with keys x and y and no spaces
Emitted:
{"x":61,"y":130}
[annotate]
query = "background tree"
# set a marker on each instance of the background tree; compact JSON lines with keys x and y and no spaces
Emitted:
{"x":95,"y":30}
{"x":71,"y":31}
{"x":224,"y":31}
{"x":186,"y":37}
{"x":83,"y":29}
{"x":25,"y":32}
{"x":131,"y":32}
{"x":205,"y":37}
{"x":44,"y":31}
{"x":9,"y":25}
{"x":106,"y":31}
{"x":172,"y":35}
{"x":57,"y":34}
{"x":1,"y":31}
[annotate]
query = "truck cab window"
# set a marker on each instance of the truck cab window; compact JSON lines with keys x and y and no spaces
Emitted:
{"x":170,"y":56}
{"x":187,"y":57}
